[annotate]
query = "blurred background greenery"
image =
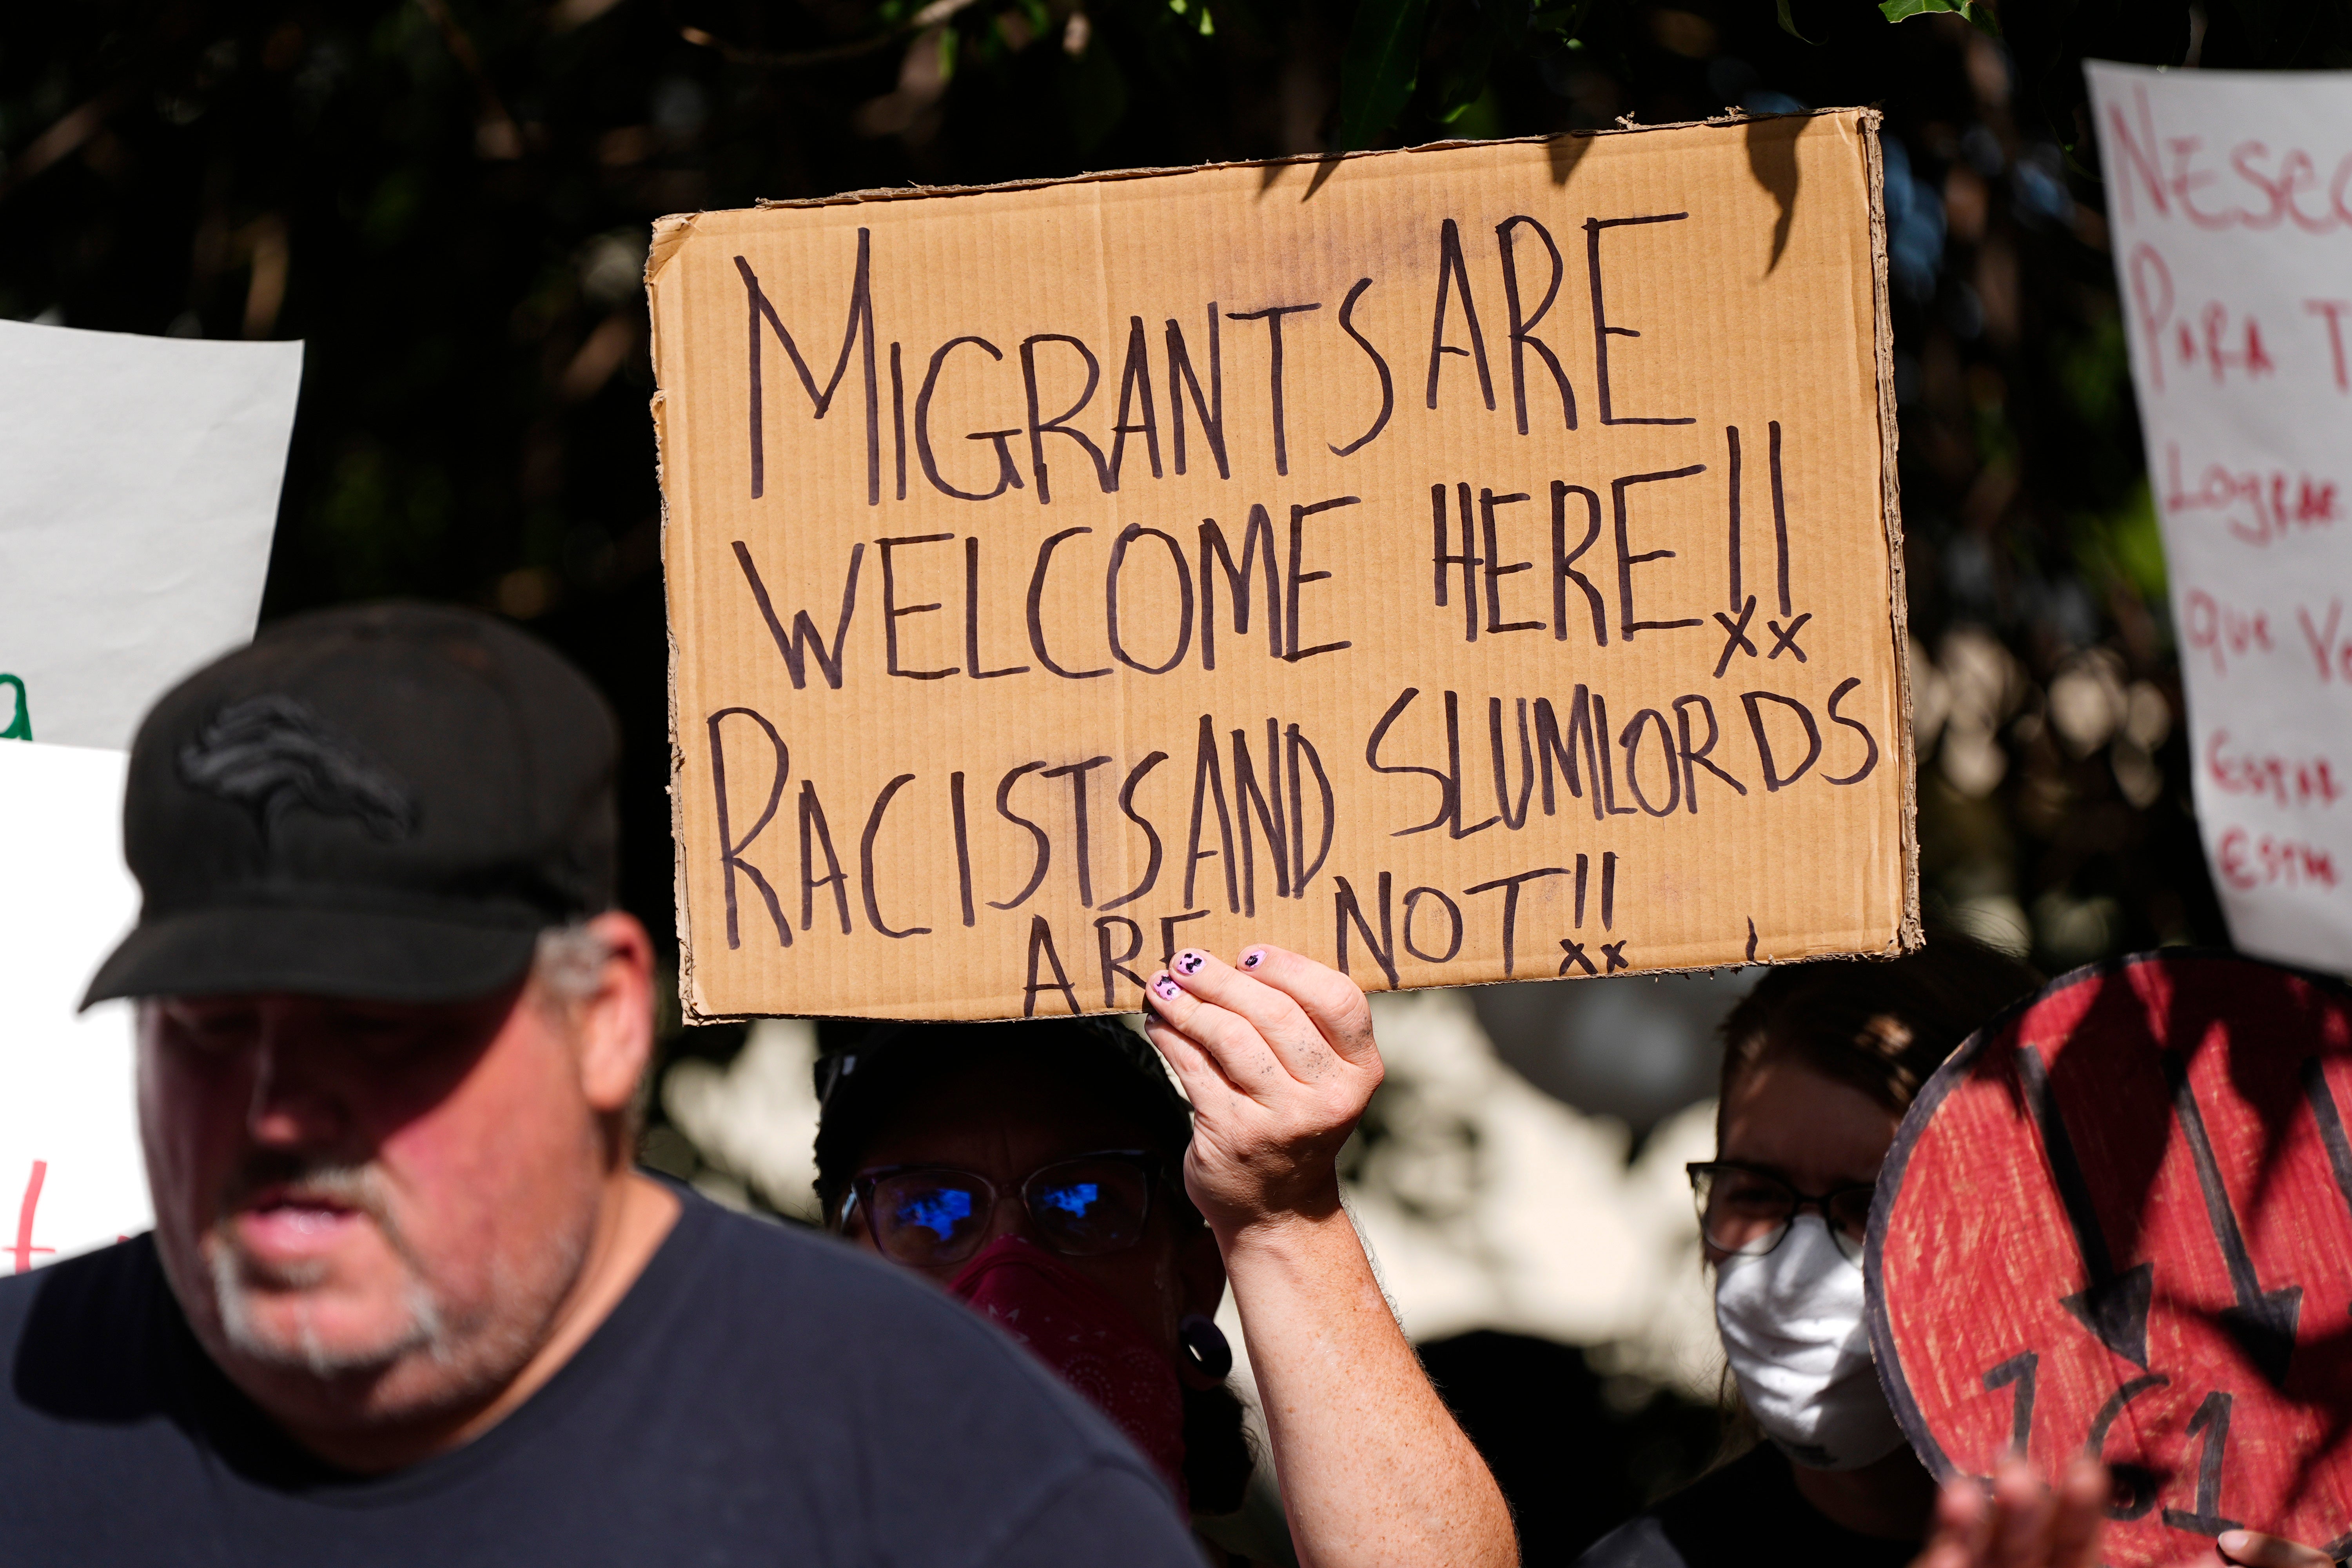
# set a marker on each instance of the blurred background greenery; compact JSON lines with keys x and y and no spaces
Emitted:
{"x":448,"y":201}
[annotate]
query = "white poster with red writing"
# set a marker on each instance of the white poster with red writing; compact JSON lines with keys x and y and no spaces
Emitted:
{"x":2230,"y":202}
{"x":70,"y":1173}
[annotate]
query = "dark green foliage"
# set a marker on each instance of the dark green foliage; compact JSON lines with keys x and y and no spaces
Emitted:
{"x":1903,"y":10}
{"x":1380,"y":67}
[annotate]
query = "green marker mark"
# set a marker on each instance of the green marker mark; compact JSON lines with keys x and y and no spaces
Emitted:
{"x":20,"y":728}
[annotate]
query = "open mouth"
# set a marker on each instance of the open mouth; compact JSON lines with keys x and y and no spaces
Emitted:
{"x":292,"y":1219}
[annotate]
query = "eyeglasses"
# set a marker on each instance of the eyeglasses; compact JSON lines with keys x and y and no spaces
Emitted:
{"x":930,"y":1217}
{"x":1745,"y":1211}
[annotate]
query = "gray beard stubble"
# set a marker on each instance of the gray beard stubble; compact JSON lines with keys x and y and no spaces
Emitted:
{"x":361,"y":1188}
{"x":539,"y":1271}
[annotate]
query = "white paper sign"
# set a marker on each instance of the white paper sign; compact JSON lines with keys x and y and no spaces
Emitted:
{"x":2230,"y":201}
{"x":70,"y":1173}
{"x":139,"y":484}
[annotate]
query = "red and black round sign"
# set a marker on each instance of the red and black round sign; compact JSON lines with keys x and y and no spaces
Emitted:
{"x":2119,"y":1219}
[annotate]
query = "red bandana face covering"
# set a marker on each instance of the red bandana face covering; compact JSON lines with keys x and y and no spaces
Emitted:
{"x":1079,"y":1329}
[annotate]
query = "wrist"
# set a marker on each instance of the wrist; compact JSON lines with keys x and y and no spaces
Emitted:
{"x":1304,"y":1222}
{"x":1295,"y":1268}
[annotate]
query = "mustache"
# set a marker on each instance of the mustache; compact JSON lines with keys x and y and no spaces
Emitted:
{"x":353,"y":1185}
{"x":356,"y":1185}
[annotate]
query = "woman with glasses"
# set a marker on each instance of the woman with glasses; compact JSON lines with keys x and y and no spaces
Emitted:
{"x":1821,"y":1061}
{"x":1049,"y":1175}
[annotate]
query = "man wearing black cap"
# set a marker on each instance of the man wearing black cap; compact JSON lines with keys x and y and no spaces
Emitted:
{"x":406,"y":1299}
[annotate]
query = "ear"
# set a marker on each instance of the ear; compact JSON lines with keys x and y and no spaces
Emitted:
{"x":616,"y":1020}
{"x":1202,"y":1270}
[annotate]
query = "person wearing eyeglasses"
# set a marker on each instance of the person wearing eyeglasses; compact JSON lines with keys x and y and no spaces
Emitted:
{"x":1820,"y":1063}
{"x":1048,"y":1175}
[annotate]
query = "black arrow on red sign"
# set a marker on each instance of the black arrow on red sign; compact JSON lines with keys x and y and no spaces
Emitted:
{"x":2263,"y":1321}
{"x":2113,"y":1305}
{"x":2331,"y":1126}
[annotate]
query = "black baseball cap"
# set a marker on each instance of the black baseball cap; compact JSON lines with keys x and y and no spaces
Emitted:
{"x":387,"y":803}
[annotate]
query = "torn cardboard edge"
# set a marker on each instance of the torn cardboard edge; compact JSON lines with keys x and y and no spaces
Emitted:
{"x":1911,"y":936}
{"x":670,"y":231}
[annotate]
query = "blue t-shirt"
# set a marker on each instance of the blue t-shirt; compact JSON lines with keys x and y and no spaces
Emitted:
{"x":760,"y":1395}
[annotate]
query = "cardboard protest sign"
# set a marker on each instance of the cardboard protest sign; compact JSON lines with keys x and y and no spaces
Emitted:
{"x":138,"y":493}
{"x":2119,"y":1219}
{"x":70,"y":1173}
{"x":2230,"y":202}
{"x":1455,"y":565}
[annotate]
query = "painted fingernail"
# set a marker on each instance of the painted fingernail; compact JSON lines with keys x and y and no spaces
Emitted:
{"x":1253,"y":958}
{"x":1165,"y":983}
{"x":1189,"y":962}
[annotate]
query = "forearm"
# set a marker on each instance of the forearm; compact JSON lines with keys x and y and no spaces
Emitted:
{"x":1279,"y":1063}
{"x":1374,"y":1470}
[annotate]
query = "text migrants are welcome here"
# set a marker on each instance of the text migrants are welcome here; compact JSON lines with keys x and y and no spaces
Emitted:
{"x":1461,"y":565}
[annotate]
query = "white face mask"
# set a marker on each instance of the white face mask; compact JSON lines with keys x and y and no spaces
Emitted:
{"x":1792,"y":1329}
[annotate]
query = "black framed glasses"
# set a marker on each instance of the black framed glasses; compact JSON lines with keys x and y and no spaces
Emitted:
{"x":1745,"y":1211}
{"x":931,"y":1216}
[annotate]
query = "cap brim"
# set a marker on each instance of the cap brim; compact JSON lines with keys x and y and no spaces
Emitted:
{"x":356,"y":955}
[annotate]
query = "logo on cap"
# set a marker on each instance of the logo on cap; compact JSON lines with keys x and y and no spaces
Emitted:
{"x":271,"y":754}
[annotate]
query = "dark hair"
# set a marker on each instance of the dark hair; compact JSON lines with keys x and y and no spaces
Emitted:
{"x":1880,"y":1024}
{"x":863,"y":1087}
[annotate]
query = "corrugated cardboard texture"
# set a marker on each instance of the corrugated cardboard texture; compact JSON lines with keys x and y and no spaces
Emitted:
{"x":1457,"y":564}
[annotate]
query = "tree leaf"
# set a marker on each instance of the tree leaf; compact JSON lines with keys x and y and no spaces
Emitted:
{"x":1561,"y":21}
{"x":1379,"y":68}
{"x":1789,"y":22}
{"x":1466,"y":76}
{"x":1981,"y":18}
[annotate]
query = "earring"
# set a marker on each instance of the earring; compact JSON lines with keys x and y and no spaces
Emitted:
{"x":1210,"y":1352}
